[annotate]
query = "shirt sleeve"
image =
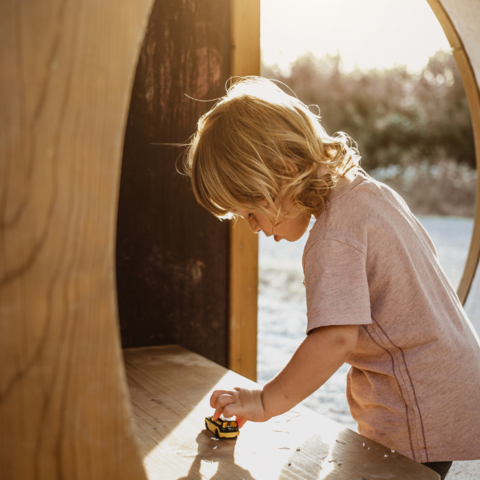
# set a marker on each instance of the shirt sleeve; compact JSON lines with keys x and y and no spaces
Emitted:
{"x":336,"y":284}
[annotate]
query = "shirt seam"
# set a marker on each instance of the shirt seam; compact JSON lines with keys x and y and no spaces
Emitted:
{"x":328,"y":324}
{"x":401,"y":392}
{"x":333,"y":240}
{"x":408,"y":396}
{"x":411,"y":384}
{"x":327,"y":212}
{"x":352,"y":187}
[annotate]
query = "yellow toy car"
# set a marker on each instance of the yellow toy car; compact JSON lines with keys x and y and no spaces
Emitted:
{"x":222,"y":428}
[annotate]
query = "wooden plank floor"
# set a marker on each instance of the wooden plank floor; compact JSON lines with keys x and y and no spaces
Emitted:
{"x":170,"y":389}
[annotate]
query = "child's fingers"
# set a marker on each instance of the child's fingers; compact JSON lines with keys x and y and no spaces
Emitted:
{"x":225,"y":402}
{"x":216,"y":394}
{"x":230,"y":410}
{"x":221,"y":405}
{"x":241,"y":422}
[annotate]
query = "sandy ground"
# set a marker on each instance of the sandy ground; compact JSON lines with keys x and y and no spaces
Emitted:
{"x":282,"y":315}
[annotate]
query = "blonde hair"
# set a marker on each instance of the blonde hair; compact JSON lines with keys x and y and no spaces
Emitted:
{"x":258,"y":144}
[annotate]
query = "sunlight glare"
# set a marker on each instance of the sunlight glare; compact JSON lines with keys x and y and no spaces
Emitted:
{"x":367,"y":33}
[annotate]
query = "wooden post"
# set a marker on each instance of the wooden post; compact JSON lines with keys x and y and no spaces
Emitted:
{"x":67,"y":73}
{"x":243,"y":243}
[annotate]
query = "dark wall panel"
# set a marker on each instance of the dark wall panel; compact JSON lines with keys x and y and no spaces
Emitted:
{"x":172,"y":256}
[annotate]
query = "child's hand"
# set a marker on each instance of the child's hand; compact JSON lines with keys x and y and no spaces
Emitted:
{"x":242,"y":403}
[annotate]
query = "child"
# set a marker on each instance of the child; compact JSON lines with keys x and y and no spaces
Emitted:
{"x":377,"y":297}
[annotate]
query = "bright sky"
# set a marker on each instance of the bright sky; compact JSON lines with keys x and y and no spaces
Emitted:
{"x":368,"y":33}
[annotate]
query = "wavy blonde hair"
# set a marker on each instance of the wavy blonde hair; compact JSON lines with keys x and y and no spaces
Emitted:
{"x":258,"y":144}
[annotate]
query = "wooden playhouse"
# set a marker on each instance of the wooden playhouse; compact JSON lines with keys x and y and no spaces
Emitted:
{"x":87,"y":91}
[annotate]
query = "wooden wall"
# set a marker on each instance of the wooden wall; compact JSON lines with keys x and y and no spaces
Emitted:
{"x":172,"y":255}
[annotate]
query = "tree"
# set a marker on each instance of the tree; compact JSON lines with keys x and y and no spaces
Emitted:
{"x":396,"y":116}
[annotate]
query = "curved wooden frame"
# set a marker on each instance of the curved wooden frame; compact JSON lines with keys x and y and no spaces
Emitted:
{"x":65,"y":87}
{"x":473,"y":96}
{"x":65,"y":95}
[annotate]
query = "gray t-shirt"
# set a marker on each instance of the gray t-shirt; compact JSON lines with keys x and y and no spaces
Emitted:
{"x":414,"y":382}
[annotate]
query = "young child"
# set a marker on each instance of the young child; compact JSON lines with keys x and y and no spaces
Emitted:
{"x":377,"y":297}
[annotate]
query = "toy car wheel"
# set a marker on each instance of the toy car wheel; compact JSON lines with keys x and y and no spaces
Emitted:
{"x":217,"y":434}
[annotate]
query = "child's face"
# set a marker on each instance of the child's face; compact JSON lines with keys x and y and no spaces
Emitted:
{"x":289,"y":226}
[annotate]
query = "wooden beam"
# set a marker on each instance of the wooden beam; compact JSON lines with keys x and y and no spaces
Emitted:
{"x":67,"y":73}
{"x":245,"y":60}
{"x":245,"y":28}
{"x":473,"y":96}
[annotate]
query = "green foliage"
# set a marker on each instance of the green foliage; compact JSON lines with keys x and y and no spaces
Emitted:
{"x":395,"y":116}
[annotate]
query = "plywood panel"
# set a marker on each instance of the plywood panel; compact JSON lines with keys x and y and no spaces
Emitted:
{"x":170,"y":389}
{"x":172,"y":255}
{"x":67,"y":71}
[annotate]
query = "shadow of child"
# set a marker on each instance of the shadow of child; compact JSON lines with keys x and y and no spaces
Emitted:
{"x":223,"y":455}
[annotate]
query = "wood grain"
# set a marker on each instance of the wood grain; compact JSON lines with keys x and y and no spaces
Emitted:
{"x":245,"y":15}
{"x":245,"y":61}
{"x":170,"y":389}
{"x":67,"y":72}
{"x":473,"y":96}
{"x":243,"y":299}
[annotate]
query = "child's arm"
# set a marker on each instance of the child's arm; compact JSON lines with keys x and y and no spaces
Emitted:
{"x":316,"y":359}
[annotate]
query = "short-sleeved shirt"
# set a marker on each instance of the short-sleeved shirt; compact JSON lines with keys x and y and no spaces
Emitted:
{"x":414,"y":381}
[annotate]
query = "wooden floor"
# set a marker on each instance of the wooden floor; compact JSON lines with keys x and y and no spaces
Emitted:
{"x":170,"y":389}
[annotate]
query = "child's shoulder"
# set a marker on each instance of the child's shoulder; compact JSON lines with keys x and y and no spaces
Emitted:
{"x":363,"y":206}
{"x":362,"y":200}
